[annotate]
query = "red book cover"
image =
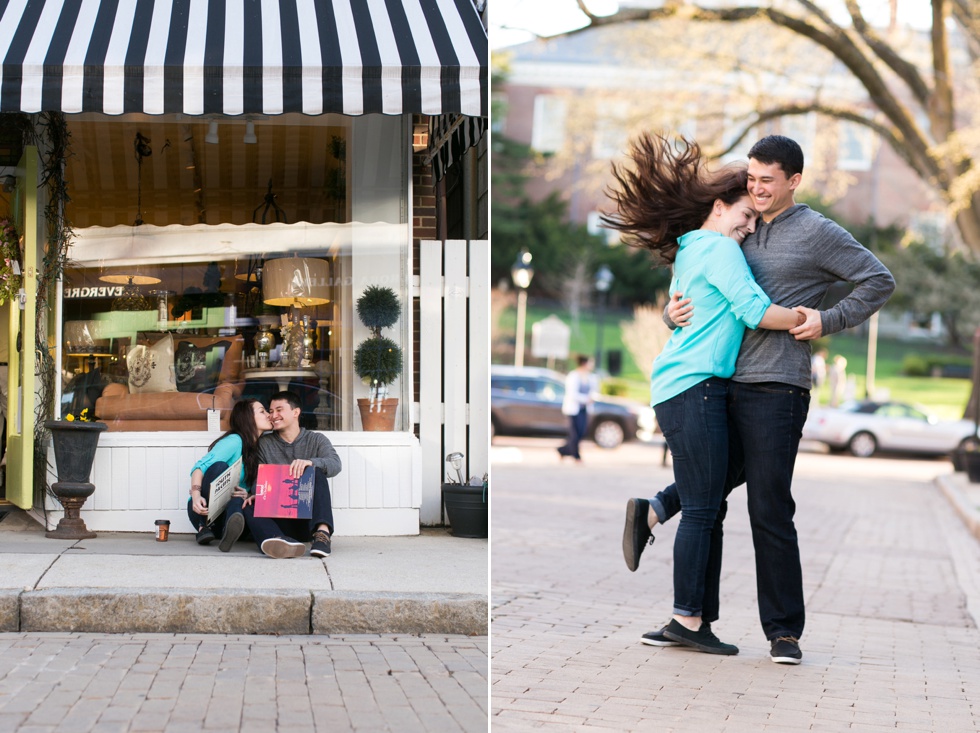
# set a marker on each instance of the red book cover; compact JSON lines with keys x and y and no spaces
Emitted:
{"x":279,"y":495}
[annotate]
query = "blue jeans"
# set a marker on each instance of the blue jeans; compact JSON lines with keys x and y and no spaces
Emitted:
{"x":577,"y":425}
{"x":695,"y":425}
{"x":766,"y":424}
{"x":263,"y":528}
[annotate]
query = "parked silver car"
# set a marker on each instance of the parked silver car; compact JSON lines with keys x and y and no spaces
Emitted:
{"x":527,"y":401}
{"x":867,"y":427}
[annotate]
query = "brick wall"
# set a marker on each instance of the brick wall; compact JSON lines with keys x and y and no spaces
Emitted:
{"x":424,"y":223}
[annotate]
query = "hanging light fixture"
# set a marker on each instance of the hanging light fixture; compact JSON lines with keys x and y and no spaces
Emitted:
{"x":250,"y":138}
{"x":131,"y":299}
{"x":212,"y":136}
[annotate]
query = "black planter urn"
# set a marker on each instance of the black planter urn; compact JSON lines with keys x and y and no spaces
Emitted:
{"x":468,"y":509}
{"x":75,"y":443}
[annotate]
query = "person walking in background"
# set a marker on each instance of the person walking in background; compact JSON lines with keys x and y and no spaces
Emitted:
{"x":837,"y":380}
{"x":581,"y":388}
{"x":796,"y":254}
{"x":695,"y":219}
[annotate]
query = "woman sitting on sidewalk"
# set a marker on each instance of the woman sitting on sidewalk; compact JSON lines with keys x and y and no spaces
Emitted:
{"x":249,"y":419}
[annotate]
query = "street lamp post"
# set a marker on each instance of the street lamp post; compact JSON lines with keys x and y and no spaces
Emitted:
{"x":603,"y":281}
{"x":521,"y":273}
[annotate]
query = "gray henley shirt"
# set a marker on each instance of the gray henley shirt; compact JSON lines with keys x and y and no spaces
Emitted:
{"x":308,"y":446}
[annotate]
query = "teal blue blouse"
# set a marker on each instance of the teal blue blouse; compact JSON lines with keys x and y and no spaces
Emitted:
{"x":227,"y":450}
{"x":710,"y":270}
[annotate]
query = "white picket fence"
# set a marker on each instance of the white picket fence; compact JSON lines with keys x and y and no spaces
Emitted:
{"x":453,"y":412}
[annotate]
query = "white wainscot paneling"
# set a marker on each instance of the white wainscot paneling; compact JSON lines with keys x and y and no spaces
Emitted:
{"x":142,"y":477}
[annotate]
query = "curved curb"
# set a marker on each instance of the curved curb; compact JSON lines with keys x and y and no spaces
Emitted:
{"x":222,"y":611}
{"x":967,"y":510}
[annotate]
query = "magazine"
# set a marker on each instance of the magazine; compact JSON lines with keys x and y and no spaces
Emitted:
{"x":221,"y":490}
{"x":281,"y":496}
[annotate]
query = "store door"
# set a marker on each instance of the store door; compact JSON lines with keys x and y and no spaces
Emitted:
{"x":21,"y":359}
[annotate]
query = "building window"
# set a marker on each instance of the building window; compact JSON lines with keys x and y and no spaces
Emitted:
{"x":548,"y":128}
{"x":854,"y":146}
{"x":246,"y":248}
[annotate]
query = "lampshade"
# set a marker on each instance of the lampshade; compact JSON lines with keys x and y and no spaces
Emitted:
{"x":300,"y":281}
{"x":130,"y":279}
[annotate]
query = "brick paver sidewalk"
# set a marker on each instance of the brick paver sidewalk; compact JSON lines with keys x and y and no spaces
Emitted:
{"x":891,"y":576}
{"x":53,"y":682}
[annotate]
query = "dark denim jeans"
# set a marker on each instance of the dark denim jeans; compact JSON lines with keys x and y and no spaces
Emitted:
{"x":766,"y":421}
{"x":695,"y":425}
{"x":234,"y":505}
{"x":263,"y":528}
{"x":577,"y":425}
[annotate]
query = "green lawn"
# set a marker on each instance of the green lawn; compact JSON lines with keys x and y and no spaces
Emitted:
{"x":944,"y":397}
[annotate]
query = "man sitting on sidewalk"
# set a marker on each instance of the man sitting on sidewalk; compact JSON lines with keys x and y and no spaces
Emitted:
{"x":298,"y":447}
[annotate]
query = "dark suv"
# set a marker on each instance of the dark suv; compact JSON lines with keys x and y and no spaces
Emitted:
{"x":527,"y":401}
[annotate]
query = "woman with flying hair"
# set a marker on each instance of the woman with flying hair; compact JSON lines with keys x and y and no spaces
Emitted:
{"x":693,"y":218}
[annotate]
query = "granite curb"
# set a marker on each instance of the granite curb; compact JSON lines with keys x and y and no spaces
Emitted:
{"x":222,"y":611}
{"x":956,"y":494}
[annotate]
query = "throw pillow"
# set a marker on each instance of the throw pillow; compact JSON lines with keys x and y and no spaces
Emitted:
{"x":197,"y":367}
{"x":151,"y":368}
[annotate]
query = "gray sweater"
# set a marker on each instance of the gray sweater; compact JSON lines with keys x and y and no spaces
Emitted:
{"x":795,"y":258}
{"x":308,"y":446}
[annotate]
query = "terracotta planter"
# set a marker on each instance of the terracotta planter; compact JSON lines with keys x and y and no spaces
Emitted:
{"x":468,"y":510}
{"x":75,"y":444}
{"x":378,"y":415}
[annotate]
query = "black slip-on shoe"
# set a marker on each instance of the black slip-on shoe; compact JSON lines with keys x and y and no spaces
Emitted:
{"x":785,"y":650}
{"x":657,"y":638}
{"x":204,"y":536}
{"x":234,"y":526}
{"x":703,"y":639}
{"x":636,"y":533}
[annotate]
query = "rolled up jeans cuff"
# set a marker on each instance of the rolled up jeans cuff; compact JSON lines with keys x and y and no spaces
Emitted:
{"x":658,"y":509}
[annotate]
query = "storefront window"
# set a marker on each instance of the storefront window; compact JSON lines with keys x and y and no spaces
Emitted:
{"x":243,"y":276}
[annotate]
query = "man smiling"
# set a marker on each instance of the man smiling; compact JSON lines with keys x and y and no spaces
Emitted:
{"x":298,"y":448}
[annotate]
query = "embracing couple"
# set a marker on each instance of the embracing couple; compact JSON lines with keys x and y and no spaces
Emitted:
{"x":259,"y":436}
{"x":731,"y":388}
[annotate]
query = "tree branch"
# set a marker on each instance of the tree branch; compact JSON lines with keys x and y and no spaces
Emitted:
{"x":842,"y":47}
{"x":905,"y":71}
{"x":941,"y":107}
{"x":889,"y":134}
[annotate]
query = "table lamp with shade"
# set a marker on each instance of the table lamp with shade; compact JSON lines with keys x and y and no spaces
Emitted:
{"x":296,"y":283}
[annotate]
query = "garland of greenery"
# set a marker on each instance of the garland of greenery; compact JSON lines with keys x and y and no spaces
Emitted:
{"x":48,"y":132}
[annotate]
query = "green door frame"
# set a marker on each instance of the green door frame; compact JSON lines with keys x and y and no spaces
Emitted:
{"x":22,"y":362}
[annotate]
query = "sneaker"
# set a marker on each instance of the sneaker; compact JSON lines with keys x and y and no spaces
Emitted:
{"x":657,"y":638}
{"x":321,"y":544}
{"x":279,"y":548}
{"x":205,"y":536}
{"x":234,"y":526}
{"x":636,"y":533}
{"x":703,"y":639}
{"x":785,"y":650}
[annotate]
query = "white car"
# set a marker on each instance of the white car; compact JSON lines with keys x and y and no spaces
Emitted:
{"x":867,"y":427}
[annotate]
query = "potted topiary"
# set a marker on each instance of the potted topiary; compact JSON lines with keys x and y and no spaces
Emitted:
{"x":378,"y":360}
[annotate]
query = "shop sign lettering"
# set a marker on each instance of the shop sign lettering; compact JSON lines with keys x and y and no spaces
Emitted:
{"x":99,"y":292}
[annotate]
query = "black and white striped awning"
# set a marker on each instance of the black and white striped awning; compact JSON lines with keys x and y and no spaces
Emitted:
{"x":450,"y":136}
{"x":234,"y":57}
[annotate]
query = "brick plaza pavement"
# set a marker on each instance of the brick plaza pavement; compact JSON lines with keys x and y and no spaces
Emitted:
{"x":90,"y":683}
{"x":892,"y":580}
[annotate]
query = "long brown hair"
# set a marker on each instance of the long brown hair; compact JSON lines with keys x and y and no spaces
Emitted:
{"x":242,"y":424}
{"x":668,"y":191}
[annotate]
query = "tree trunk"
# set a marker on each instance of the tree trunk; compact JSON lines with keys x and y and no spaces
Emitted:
{"x":971,"y":405}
